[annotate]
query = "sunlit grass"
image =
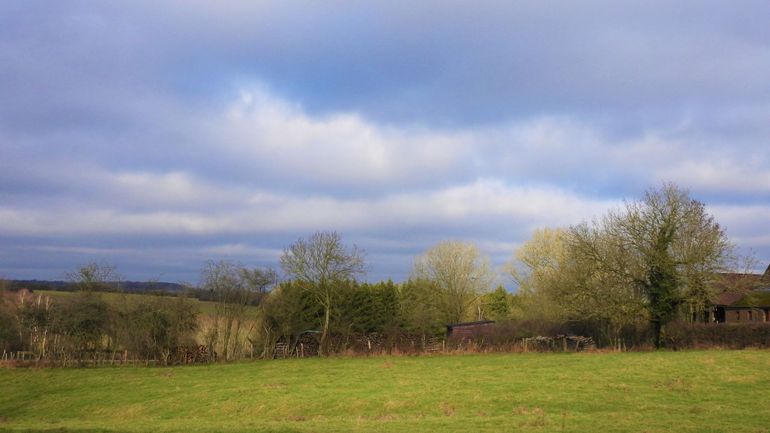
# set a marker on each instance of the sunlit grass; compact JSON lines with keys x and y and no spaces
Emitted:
{"x":652,"y":392}
{"x":115,"y":298}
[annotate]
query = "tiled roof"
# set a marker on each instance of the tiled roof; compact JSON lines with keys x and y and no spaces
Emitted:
{"x":728,"y":298}
{"x":755,"y":298}
{"x":735,"y":282}
{"x":737,"y":289}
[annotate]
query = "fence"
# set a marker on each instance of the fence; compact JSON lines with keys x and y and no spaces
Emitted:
{"x":27,"y":358}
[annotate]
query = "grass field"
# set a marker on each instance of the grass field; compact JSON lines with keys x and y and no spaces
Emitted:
{"x":205,"y":307}
{"x":704,"y":391}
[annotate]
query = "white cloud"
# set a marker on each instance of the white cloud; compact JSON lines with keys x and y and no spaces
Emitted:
{"x":278,"y":138}
{"x":482,"y":125}
{"x":243,"y":250}
{"x":723,"y":175}
{"x":462,"y":206}
{"x":744,"y":223}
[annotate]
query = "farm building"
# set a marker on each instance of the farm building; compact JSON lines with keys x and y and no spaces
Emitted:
{"x":469,"y":330}
{"x":753,"y":306}
{"x":743,"y":298}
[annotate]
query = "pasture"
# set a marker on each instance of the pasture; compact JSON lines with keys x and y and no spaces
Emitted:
{"x":699,"y":391}
{"x":206,"y":308}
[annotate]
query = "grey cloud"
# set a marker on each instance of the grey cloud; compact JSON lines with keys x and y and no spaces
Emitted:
{"x":166,"y":133}
{"x":438,"y":61}
{"x":435,"y":62}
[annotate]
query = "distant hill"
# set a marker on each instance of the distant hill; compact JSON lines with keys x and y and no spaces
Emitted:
{"x":122,"y":286}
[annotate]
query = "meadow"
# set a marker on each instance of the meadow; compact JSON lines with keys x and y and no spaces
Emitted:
{"x":698,"y":391}
{"x":206,"y":308}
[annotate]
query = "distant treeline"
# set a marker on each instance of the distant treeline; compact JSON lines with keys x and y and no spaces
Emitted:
{"x":160,"y":288}
{"x":245,"y":320}
{"x":287,"y":320}
{"x":627,"y":280}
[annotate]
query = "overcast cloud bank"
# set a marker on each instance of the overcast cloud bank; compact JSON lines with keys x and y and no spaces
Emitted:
{"x":156,"y":137}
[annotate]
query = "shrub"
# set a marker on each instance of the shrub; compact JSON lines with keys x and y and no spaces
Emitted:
{"x":680,"y":335}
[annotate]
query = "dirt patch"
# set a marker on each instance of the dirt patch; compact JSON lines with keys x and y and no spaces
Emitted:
{"x":675,"y":384}
{"x":447,"y":409}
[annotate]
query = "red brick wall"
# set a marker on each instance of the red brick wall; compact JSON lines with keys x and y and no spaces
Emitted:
{"x":746,"y":315}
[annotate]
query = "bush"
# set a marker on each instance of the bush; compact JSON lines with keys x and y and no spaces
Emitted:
{"x":505,"y":335}
{"x":680,"y":335}
{"x":84,"y":319}
{"x":9,"y":330}
{"x":508,"y":335}
{"x":157,"y":326}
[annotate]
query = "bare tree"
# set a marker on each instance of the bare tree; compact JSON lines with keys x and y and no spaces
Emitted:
{"x":95,"y":277}
{"x":665,"y":246}
{"x":592,"y":288}
{"x":461,"y":275}
{"x":538,"y":267}
{"x":234,"y":288}
{"x":321,"y":262}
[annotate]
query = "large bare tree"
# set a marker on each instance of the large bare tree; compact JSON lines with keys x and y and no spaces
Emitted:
{"x":321,"y":262}
{"x":460,"y":273}
{"x":665,"y":246}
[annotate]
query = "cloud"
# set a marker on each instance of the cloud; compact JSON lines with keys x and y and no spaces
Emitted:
{"x":722,"y":176}
{"x":176,"y":132}
{"x":280,"y":140}
{"x":438,"y":62}
{"x":433,"y":63}
{"x":279,"y":170}
{"x":463,"y":207}
{"x":488,"y":211}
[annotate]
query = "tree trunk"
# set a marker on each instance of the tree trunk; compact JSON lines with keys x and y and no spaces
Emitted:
{"x":213,"y":336}
{"x":657,"y":332}
{"x":226,"y":337}
{"x":325,"y":332}
{"x":236,"y":352}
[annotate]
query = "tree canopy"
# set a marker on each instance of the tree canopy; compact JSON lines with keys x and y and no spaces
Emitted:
{"x":321,"y":262}
{"x":461,"y":274}
{"x":656,"y":258}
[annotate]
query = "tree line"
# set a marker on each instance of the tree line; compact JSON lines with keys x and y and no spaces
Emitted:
{"x":623,"y":278}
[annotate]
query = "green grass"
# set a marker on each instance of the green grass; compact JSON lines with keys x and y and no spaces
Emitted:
{"x":704,"y":391}
{"x":206,"y":308}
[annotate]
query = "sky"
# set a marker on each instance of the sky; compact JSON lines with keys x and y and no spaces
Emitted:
{"x":155,"y":136}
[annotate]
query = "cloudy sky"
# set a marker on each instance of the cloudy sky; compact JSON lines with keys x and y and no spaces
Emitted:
{"x":157,"y":135}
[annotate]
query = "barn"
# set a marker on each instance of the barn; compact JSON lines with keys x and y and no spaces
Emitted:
{"x":470,"y":330}
{"x":742,"y":298}
{"x":753,"y":306}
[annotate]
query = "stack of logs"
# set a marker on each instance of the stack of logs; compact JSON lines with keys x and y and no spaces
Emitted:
{"x":563,"y":343}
